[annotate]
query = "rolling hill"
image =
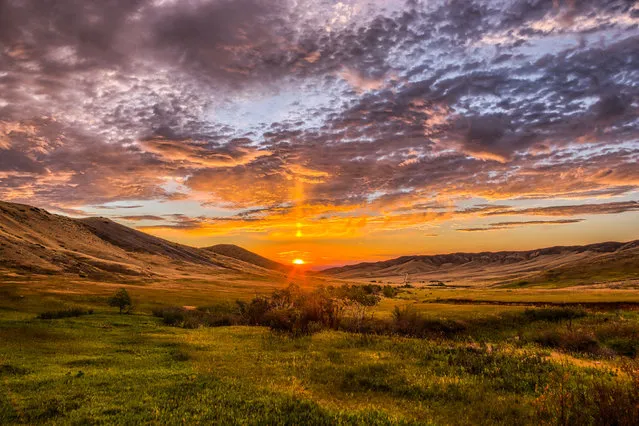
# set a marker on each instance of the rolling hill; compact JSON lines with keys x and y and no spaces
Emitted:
{"x":35,"y":241}
{"x":239,"y":253}
{"x":567,"y":264}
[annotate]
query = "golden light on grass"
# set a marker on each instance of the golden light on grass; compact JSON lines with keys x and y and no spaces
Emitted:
{"x":298,"y":262}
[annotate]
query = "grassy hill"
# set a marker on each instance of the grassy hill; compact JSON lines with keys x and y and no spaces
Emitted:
{"x":239,"y":253}
{"x":567,"y":265}
{"x":35,"y":241}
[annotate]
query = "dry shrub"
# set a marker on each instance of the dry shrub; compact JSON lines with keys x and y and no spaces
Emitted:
{"x":586,"y":400}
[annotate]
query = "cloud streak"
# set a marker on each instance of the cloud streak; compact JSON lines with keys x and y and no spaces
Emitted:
{"x":507,"y":225}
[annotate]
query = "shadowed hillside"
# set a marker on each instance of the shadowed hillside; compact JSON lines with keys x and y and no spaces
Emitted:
{"x":135,"y":241}
{"x":237,"y":252}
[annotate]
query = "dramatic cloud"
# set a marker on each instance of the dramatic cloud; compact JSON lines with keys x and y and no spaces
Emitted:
{"x":320,"y":118}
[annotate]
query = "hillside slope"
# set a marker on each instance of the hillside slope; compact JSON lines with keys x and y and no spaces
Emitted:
{"x":33,"y":240}
{"x":604,"y":261}
{"x":239,"y":253}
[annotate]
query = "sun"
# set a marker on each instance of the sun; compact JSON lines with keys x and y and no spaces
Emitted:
{"x":298,"y":262}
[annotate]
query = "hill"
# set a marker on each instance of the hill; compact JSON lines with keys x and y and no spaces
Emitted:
{"x":35,"y":241}
{"x":239,"y":253}
{"x":562,"y":264}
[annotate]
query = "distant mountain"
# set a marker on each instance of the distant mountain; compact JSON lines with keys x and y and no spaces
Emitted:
{"x":239,"y":253}
{"x":33,"y":240}
{"x":572,"y":264}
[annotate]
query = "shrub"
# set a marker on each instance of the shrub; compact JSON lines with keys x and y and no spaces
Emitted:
{"x":365,"y":295}
{"x":571,"y":341}
{"x":620,"y":336}
{"x":624,"y":346}
{"x":11,"y":370}
{"x":587,"y":400}
{"x":288,"y":319}
{"x":389,"y":291}
{"x":554,"y":314}
{"x":185,"y":318}
{"x":64,"y":313}
{"x":290,"y":310}
{"x":253,"y":312}
{"x":302,"y":313}
{"x":121,"y":300}
{"x":298,"y":312}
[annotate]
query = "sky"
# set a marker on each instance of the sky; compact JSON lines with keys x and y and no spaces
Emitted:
{"x":335,"y":132}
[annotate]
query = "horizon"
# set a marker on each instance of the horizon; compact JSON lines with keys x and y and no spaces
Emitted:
{"x":319,"y":268}
{"x":332,"y":133}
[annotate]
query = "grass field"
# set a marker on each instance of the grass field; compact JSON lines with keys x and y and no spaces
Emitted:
{"x":503,"y":364}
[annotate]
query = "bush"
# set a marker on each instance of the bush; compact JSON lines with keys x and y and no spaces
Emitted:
{"x":554,"y":314}
{"x":620,"y":336}
{"x":253,"y":312}
{"x":185,"y":318}
{"x":624,"y":346}
{"x":571,"y":341}
{"x":64,"y":313}
{"x":389,"y":291}
{"x":365,"y":295}
{"x":121,"y":300}
{"x":296,"y":312}
{"x":290,"y":310}
{"x":586,"y":400}
{"x":287,"y":319}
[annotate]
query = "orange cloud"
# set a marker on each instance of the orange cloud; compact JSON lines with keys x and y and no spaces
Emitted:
{"x":360,"y":82}
{"x":199,"y":154}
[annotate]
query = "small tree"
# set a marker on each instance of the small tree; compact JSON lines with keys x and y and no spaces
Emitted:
{"x":121,"y":300}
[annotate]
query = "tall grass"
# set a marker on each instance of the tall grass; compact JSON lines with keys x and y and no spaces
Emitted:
{"x":570,"y":399}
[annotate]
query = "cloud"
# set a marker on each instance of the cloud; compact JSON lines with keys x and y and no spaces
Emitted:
{"x":119,"y":206}
{"x":137,"y":218}
{"x":201,"y":153}
{"x":350,"y":116}
{"x":508,"y":225}
{"x":360,"y":82}
{"x":571,"y":210}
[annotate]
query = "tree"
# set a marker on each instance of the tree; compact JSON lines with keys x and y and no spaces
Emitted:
{"x":121,"y":300}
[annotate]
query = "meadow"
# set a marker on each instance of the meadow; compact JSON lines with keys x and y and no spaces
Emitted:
{"x":427,"y":355}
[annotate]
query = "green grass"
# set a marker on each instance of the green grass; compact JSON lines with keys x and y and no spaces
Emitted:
{"x":107,"y":368}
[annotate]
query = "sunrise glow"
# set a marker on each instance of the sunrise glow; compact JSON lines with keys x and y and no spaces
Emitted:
{"x":364,"y":131}
{"x":324,"y":202}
